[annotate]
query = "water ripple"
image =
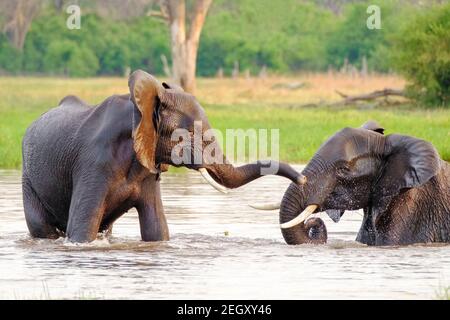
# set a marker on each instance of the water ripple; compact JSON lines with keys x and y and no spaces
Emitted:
{"x":219,"y":248}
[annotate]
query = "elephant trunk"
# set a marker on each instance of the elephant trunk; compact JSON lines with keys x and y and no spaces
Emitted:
{"x":233,"y":177}
{"x":312,"y":230}
{"x":229,"y":176}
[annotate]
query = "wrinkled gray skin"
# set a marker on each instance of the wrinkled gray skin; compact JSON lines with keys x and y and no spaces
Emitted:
{"x":81,"y":170}
{"x":399,"y":181}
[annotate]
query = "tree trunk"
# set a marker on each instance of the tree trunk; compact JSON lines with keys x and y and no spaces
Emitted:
{"x":20,"y":14}
{"x":188,"y":82}
{"x":185,"y":44}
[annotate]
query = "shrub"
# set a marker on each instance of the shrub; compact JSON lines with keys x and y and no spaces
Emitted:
{"x":65,"y":57}
{"x":352,"y":40}
{"x":423,"y":56}
{"x":10,"y":58}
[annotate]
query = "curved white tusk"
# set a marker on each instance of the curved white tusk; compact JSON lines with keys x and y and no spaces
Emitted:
{"x":301,"y":217}
{"x":211,"y":181}
{"x":266,"y":206}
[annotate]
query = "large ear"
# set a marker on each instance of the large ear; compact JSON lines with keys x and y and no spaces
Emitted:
{"x":411,"y":161}
{"x":408,"y":163}
{"x":144,"y":91}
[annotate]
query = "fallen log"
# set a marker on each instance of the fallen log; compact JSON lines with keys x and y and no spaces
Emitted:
{"x":369,"y":96}
{"x":350,"y":100}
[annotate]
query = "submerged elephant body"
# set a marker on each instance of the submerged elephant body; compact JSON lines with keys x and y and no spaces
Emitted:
{"x":78,"y":159}
{"x":399,"y":181}
{"x":83,"y":166}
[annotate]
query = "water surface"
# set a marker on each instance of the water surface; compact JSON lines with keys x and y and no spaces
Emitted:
{"x":219,"y":248}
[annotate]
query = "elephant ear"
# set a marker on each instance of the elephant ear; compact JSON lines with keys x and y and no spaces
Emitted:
{"x":409,"y":163}
{"x":144,"y":91}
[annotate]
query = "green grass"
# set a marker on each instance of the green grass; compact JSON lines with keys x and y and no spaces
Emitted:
{"x":443,"y":293}
{"x":302,"y":130}
{"x":46,"y":295}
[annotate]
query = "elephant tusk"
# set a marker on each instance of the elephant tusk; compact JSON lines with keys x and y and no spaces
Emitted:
{"x":266,"y":206}
{"x":301,"y":217}
{"x":211,"y":181}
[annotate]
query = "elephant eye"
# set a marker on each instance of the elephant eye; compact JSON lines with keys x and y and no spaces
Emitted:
{"x":343,"y":170}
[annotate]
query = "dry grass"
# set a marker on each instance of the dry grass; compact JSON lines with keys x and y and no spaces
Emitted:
{"x":227,"y":91}
{"x":32,"y":92}
{"x":317,"y":88}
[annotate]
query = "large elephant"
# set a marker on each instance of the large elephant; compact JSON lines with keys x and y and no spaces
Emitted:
{"x":399,"y":181}
{"x":83,"y":166}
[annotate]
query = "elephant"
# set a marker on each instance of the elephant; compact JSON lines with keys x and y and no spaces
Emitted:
{"x":85,"y":166}
{"x":400,"y":182}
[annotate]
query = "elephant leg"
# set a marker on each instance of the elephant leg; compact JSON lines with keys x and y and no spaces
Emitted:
{"x":86,"y":208}
{"x":366,"y":233}
{"x":106,"y":230}
{"x":152,"y":221}
{"x":37,"y":217}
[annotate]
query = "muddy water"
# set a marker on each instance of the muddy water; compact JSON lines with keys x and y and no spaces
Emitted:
{"x":219,"y":248}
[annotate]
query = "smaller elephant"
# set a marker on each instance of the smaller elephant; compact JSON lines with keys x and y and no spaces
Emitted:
{"x":399,"y":181}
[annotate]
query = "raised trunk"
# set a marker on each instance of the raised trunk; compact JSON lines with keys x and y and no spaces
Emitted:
{"x":294,"y":202}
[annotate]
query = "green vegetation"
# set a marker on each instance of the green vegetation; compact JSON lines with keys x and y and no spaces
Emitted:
{"x":302,"y":130}
{"x":101,"y":46}
{"x":352,"y":39}
{"x":285,"y":36}
{"x":423,"y":56}
{"x":443,"y":293}
{"x":46,"y":295}
{"x":288,"y":37}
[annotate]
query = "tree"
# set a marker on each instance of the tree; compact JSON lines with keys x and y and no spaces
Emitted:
{"x":184,"y":43}
{"x":423,"y":56}
{"x":19,"y":15}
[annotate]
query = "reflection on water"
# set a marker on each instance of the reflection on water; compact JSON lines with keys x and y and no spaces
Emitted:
{"x":219,"y":248}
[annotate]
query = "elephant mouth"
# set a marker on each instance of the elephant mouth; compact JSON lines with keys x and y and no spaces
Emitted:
{"x":335,"y":214}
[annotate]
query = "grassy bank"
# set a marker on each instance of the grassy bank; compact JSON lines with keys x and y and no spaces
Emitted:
{"x":236,"y":103}
{"x":443,"y":293}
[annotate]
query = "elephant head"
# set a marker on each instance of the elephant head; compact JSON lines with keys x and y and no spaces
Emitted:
{"x":166,"y":109}
{"x":357,"y":168}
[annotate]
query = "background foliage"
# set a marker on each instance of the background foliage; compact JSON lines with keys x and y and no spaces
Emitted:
{"x":286,"y":36}
{"x":423,"y":56}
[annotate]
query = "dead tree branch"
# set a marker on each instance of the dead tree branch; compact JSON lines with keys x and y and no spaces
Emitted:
{"x":369,"y":96}
{"x":158,"y":14}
